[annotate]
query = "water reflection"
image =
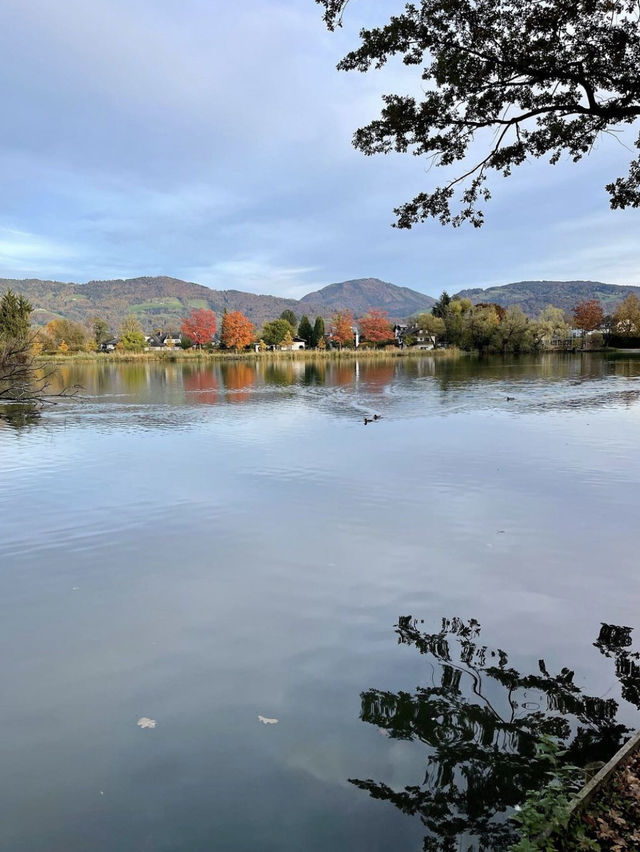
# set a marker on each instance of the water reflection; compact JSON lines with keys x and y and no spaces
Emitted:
{"x":481,"y":720}
{"x":152,"y":395}
{"x":204,"y":384}
{"x":19,"y":416}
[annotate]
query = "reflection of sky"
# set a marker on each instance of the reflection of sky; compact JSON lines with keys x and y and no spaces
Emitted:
{"x":213,"y":143}
{"x":201,"y":564}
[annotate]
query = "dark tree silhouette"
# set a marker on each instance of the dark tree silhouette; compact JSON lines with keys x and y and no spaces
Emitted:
{"x":515,"y":78}
{"x":482,"y":722}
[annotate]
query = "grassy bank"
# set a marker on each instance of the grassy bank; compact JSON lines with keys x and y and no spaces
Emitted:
{"x":191,"y":356}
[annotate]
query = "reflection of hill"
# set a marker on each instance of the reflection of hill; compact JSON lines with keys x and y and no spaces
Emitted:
{"x":481,"y":721}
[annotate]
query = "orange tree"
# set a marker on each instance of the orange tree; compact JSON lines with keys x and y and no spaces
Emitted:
{"x":342,"y":328}
{"x":199,"y":326}
{"x":588,"y":315}
{"x":375,"y":327}
{"x":237,"y":330}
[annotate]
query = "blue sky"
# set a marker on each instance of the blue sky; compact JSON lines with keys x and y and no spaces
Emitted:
{"x":211,"y":141}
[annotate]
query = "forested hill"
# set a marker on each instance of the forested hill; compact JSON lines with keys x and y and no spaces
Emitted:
{"x":162,"y":302}
{"x":533,"y":296}
{"x":361,"y":294}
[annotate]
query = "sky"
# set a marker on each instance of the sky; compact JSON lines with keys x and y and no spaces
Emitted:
{"x":211,"y":141}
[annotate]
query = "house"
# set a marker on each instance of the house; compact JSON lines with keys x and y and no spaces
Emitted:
{"x":296,"y":346}
{"x":109,"y":345}
{"x":400,"y":332}
{"x":164,"y":340}
{"x":410,"y":334}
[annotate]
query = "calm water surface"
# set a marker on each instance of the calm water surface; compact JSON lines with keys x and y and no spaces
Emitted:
{"x":202,"y":545}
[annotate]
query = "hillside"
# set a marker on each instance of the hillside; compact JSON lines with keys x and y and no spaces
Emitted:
{"x":157,"y":302}
{"x":533,"y":296}
{"x":162,"y":302}
{"x":362,"y":294}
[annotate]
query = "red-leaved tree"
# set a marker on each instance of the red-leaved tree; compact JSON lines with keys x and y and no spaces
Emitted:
{"x":199,"y":326}
{"x":375,"y":327}
{"x":588,"y":315}
{"x":342,"y":328}
{"x":237,"y":330}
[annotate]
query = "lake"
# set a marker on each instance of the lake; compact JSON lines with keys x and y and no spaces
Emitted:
{"x":415,"y":601}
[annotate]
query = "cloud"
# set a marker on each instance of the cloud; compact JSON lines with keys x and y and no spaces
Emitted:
{"x":212,"y":142}
{"x":26,"y":253}
{"x":257,"y":276}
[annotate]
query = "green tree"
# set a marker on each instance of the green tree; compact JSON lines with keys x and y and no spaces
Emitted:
{"x":512,"y":333}
{"x":101,"y":330}
{"x":440,"y":307}
{"x":516,"y":79}
{"x":274,"y":332}
{"x":433,"y":326}
{"x":480,"y":327}
{"x":318,"y":332}
{"x":552,"y":323}
{"x":131,"y":336}
{"x":455,"y":319}
{"x":72,"y":333}
{"x":305,"y":331}
{"x":15,"y":316}
{"x":291,"y":318}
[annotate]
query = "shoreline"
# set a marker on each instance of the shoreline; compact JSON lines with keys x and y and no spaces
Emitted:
{"x":188,"y":356}
{"x":191,"y":356}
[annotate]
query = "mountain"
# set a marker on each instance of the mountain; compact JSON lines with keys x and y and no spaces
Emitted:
{"x":162,"y":302}
{"x":533,"y":296}
{"x":157,"y":302}
{"x":362,"y":294}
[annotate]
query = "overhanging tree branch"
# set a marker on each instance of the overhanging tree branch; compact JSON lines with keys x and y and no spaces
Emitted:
{"x":569,"y":71}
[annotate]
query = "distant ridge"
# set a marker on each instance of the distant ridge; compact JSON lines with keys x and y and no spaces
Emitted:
{"x":362,"y":294}
{"x":161,"y":302}
{"x":534,"y":296}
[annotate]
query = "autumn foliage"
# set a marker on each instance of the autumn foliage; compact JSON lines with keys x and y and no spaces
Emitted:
{"x":237,"y":330}
{"x":375,"y":327}
{"x":199,"y":326}
{"x":342,"y":328}
{"x":588,"y":315}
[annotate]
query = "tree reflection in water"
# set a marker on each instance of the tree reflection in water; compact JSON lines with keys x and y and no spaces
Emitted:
{"x":482,"y":721}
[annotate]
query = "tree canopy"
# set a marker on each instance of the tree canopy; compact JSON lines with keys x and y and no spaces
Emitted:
{"x":290,"y":317}
{"x":318,"y":332}
{"x":305,"y":330}
{"x":274,"y":332}
{"x":511,"y":79}
{"x":200,"y":326}
{"x":588,"y":315}
{"x":131,"y":336}
{"x":375,"y":327}
{"x":15,"y":316}
{"x":342,"y":328}
{"x":237,"y":331}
